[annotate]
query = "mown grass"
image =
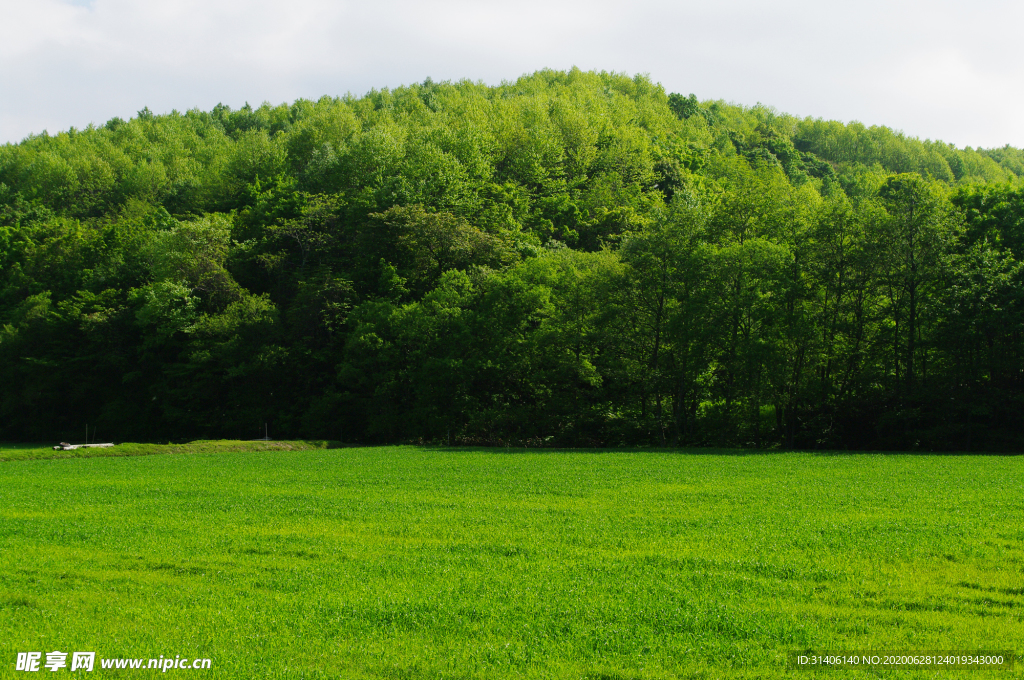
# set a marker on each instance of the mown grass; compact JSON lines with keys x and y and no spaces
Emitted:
{"x":9,"y":452}
{"x":410,"y":562}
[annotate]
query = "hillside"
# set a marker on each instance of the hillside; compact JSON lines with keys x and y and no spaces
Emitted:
{"x":572,"y":259}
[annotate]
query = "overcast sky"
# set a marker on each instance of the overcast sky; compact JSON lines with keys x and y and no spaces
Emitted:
{"x":937,"y":69}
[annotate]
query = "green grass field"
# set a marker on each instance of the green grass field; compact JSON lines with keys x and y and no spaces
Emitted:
{"x":9,"y":452}
{"x":410,"y":562}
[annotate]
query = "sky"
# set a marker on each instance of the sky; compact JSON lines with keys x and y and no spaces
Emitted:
{"x":934,"y":70}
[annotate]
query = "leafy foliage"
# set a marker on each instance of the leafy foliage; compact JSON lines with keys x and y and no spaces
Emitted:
{"x":574,"y":258}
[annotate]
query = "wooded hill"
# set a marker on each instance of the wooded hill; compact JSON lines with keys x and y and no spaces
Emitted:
{"x":569,"y":259}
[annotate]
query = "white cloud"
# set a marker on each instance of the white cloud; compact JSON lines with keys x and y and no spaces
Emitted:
{"x":936,"y":69}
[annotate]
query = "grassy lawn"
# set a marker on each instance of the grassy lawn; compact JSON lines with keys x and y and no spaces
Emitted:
{"x":408,"y":562}
{"x":9,"y":452}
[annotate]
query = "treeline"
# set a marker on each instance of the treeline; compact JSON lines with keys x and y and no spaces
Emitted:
{"x":570,"y":259}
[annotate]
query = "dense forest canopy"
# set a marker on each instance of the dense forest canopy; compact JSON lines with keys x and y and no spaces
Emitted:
{"x":569,"y":259}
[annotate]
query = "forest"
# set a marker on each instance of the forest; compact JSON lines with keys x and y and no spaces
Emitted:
{"x":570,"y":259}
